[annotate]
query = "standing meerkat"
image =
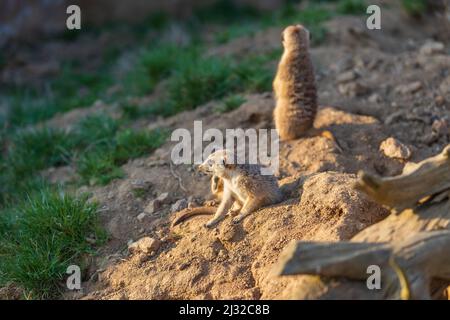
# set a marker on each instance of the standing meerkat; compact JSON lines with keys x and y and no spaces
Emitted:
{"x":294,"y":86}
{"x":242,"y":189}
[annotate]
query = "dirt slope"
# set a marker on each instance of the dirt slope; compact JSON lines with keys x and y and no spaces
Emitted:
{"x":371,"y":85}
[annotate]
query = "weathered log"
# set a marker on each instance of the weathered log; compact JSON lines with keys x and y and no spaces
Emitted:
{"x":430,"y":177}
{"x":411,"y":246}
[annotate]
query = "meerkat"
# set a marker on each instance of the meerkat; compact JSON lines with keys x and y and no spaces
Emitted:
{"x":294,"y":86}
{"x":241,"y":187}
{"x":295,"y":89}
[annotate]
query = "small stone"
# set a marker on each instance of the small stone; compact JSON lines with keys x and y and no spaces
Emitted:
{"x":153,"y":206}
{"x":375,"y":98}
{"x":192,"y":205}
{"x":445,"y":86}
{"x":141,"y":216}
{"x":439,"y":100}
{"x":347,"y":76}
{"x":90,"y":240}
{"x":432,"y":47}
{"x":179,"y":205}
{"x":141,"y":230}
{"x":352,"y":89}
{"x":440,"y":127}
{"x":393,"y":148}
{"x":410,"y":88}
{"x":163,"y":198}
{"x":144,"y":245}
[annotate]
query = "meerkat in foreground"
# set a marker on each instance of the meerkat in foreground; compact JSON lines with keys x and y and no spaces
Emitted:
{"x":242,"y":189}
{"x":295,"y":89}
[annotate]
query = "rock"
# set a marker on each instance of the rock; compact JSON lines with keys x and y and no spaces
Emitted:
{"x":393,"y":148}
{"x":374,"y":98}
{"x":179,"y":205}
{"x":153,"y":206}
{"x":141,"y":216}
{"x":432,"y":47}
{"x":440,"y":127}
{"x":192,"y":205}
{"x":353,"y":89}
{"x":144,"y":245}
{"x":163,"y":198}
{"x":347,"y":76}
{"x":410,"y":88}
{"x":445,"y":86}
{"x":140,"y":184}
{"x":439,"y":100}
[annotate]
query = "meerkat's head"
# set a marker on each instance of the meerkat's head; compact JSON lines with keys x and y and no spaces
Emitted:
{"x":217,"y":163}
{"x":295,"y":36}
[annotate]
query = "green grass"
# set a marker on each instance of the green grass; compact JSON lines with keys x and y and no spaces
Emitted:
{"x":28,"y":152}
{"x":41,"y":237}
{"x":98,"y":168}
{"x":355,"y":7}
{"x":33,"y":150}
{"x":414,"y":7}
{"x":97,"y":146}
{"x":225,"y":11}
{"x":200,"y":80}
{"x":95,"y":130}
{"x":230,"y":103}
{"x":69,"y":90}
{"x":136,"y":143}
{"x":101,"y":164}
{"x":152,"y":66}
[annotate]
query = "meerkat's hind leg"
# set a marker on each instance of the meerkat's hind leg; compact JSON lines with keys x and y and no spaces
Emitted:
{"x":222,"y":210}
{"x":250,"y":205}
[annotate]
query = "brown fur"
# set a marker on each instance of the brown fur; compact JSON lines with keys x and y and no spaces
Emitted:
{"x":242,"y":189}
{"x":294,"y":86}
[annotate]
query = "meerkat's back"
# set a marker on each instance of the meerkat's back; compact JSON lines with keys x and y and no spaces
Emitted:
{"x":294,"y":86}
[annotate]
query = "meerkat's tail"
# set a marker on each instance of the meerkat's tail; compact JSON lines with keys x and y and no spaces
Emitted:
{"x":185,"y":214}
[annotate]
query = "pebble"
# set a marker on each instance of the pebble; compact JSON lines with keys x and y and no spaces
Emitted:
{"x":141,"y":216}
{"x":352,"y":89}
{"x":410,"y":88}
{"x":179,"y":205}
{"x":432,"y":47}
{"x":375,"y":98}
{"x":439,"y":100}
{"x":393,"y":148}
{"x":144,"y":245}
{"x":347,"y":76}
{"x":163,"y":198}
{"x":153,"y":206}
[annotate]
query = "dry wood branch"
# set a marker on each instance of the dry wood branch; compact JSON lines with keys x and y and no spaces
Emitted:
{"x":411,"y":246}
{"x":407,"y":267}
{"x":332,"y":259}
{"x":429,"y":177}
